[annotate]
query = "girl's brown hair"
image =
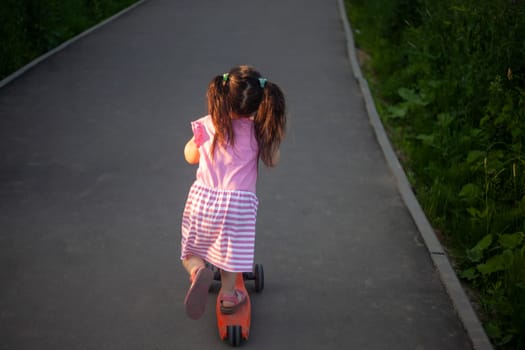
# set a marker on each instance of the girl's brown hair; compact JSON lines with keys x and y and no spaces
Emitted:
{"x":242,"y":91}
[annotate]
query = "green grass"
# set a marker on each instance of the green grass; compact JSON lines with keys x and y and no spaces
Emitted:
{"x":30,"y":28}
{"x":449,"y":81}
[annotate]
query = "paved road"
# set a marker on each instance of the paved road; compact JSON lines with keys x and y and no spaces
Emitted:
{"x":93,"y":182}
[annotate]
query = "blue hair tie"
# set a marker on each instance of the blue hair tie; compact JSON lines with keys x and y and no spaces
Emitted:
{"x":262,"y":82}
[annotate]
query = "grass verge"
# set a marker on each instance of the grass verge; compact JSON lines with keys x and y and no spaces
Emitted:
{"x":31,"y":28}
{"x":448,"y":79}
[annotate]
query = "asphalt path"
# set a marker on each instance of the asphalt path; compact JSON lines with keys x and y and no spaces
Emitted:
{"x":93,"y":182}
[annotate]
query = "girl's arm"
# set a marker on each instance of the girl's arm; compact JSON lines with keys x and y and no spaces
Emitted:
{"x":191,"y":152}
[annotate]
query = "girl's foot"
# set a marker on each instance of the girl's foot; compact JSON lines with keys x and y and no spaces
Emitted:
{"x":231,"y":302}
{"x":196,"y":297}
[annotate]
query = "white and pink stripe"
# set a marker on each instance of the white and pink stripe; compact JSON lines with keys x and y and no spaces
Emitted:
{"x":219,"y":226}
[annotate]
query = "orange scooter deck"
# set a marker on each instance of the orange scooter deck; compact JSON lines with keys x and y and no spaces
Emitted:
{"x":236,"y":326}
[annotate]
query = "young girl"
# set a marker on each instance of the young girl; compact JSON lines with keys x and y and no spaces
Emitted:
{"x":246,"y":122}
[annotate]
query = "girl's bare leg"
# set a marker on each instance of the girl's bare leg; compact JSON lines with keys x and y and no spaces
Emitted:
{"x":228,"y":285}
{"x":191,"y":263}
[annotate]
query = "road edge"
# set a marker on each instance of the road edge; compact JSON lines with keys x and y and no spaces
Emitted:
{"x":65,"y":44}
{"x":460,"y":300}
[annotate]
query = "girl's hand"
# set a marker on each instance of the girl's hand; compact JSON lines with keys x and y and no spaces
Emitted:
{"x":191,"y":152}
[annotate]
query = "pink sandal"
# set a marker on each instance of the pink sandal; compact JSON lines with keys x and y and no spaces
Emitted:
{"x":196,"y":297}
{"x":238,"y":298}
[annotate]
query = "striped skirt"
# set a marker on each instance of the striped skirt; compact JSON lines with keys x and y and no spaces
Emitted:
{"x":219,"y":227}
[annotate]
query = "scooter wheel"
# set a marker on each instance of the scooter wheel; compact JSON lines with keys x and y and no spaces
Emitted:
{"x":234,"y":334}
{"x":248,"y":276}
{"x":216,"y":275}
{"x":259,"y":278}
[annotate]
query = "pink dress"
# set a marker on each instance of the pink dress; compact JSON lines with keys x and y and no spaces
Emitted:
{"x":218,"y":222}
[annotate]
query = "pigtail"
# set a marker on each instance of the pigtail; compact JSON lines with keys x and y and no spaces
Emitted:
{"x":270,"y":122}
{"x":243,"y":92}
{"x":219,"y":108}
